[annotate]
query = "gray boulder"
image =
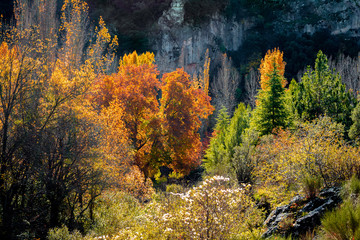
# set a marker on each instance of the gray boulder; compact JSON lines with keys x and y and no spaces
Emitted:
{"x":306,"y":213}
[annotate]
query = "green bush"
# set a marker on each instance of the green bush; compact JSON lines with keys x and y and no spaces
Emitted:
{"x":115,"y":211}
{"x":174,"y":188}
{"x":117,"y":215}
{"x":311,"y":186}
{"x":351,"y":188}
{"x":342,"y":223}
{"x":242,"y":161}
{"x":63,"y":233}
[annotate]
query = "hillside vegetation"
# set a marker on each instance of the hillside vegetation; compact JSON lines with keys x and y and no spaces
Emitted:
{"x":96,"y":147}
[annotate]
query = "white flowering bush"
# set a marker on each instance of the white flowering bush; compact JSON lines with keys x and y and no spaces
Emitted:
{"x":213,"y":210}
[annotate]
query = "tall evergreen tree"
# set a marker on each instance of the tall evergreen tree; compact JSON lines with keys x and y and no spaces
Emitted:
{"x":354,"y":131}
{"x":271,"y":112}
{"x":321,"y":92}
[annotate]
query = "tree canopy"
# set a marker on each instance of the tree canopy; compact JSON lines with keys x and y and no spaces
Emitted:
{"x":270,"y":112}
{"x":321,"y":92}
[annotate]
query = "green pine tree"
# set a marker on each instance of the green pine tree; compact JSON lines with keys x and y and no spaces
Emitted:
{"x":354,"y":131}
{"x":321,"y":92}
{"x":271,"y":112}
{"x":227,"y":135}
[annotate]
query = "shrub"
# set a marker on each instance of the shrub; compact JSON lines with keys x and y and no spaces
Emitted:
{"x":286,"y":223}
{"x":115,"y":211}
{"x":213,"y":210}
{"x":342,"y":223}
{"x":351,"y":189}
{"x":311,"y":186}
{"x":276,"y":170}
{"x":242,"y":161}
{"x":63,"y":233}
{"x":174,"y":188}
{"x":314,"y":150}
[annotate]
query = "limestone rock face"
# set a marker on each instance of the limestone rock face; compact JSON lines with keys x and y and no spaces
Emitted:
{"x":180,"y":44}
{"x":174,"y":16}
{"x":308,"y":16}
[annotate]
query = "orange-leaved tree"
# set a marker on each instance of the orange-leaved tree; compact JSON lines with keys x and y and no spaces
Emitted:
{"x":161,"y":128}
{"x":134,"y":88}
{"x":273,"y":59}
{"x":182,"y":107}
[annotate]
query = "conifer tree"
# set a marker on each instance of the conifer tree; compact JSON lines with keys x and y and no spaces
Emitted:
{"x":227,"y":136}
{"x":321,"y":92}
{"x":271,"y":112}
{"x":354,"y":131}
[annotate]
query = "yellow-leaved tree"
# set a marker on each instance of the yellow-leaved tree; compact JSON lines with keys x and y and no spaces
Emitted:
{"x":48,"y":130}
{"x":272,"y":60}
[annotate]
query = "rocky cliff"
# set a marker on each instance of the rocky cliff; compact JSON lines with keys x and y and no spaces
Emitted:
{"x":309,"y":16}
{"x":178,"y":43}
{"x":183,"y":45}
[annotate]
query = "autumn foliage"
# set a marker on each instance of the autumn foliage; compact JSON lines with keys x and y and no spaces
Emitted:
{"x":85,"y":139}
{"x":162,"y":128}
{"x":271,"y":112}
{"x":316,"y":150}
{"x":75,"y":122}
{"x":273,"y":59}
{"x":182,"y":107}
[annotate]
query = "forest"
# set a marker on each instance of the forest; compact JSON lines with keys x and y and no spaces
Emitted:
{"x":100,"y":145}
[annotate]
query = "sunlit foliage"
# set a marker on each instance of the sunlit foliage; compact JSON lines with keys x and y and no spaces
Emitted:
{"x":270,"y":112}
{"x":182,"y":108}
{"x":321,"y":92}
{"x":228,"y":139}
{"x":316,"y":149}
{"x":162,"y":128}
{"x":213,"y":210}
{"x":272,"y":60}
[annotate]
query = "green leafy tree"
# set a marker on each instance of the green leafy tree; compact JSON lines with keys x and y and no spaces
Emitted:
{"x":234,"y":144}
{"x":238,"y":123}
{"x":227,"y":136}
{"x":216,"y":152}
{"x":242,"y":160}
{"x":321,"y":92}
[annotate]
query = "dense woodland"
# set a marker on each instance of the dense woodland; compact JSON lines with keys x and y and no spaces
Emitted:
{"x":97,"y":146}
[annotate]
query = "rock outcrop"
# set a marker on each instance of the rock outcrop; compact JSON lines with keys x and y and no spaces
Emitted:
{"x":180,"y":44}
{"x":301,"y":214}
{"x":309,"y":16}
